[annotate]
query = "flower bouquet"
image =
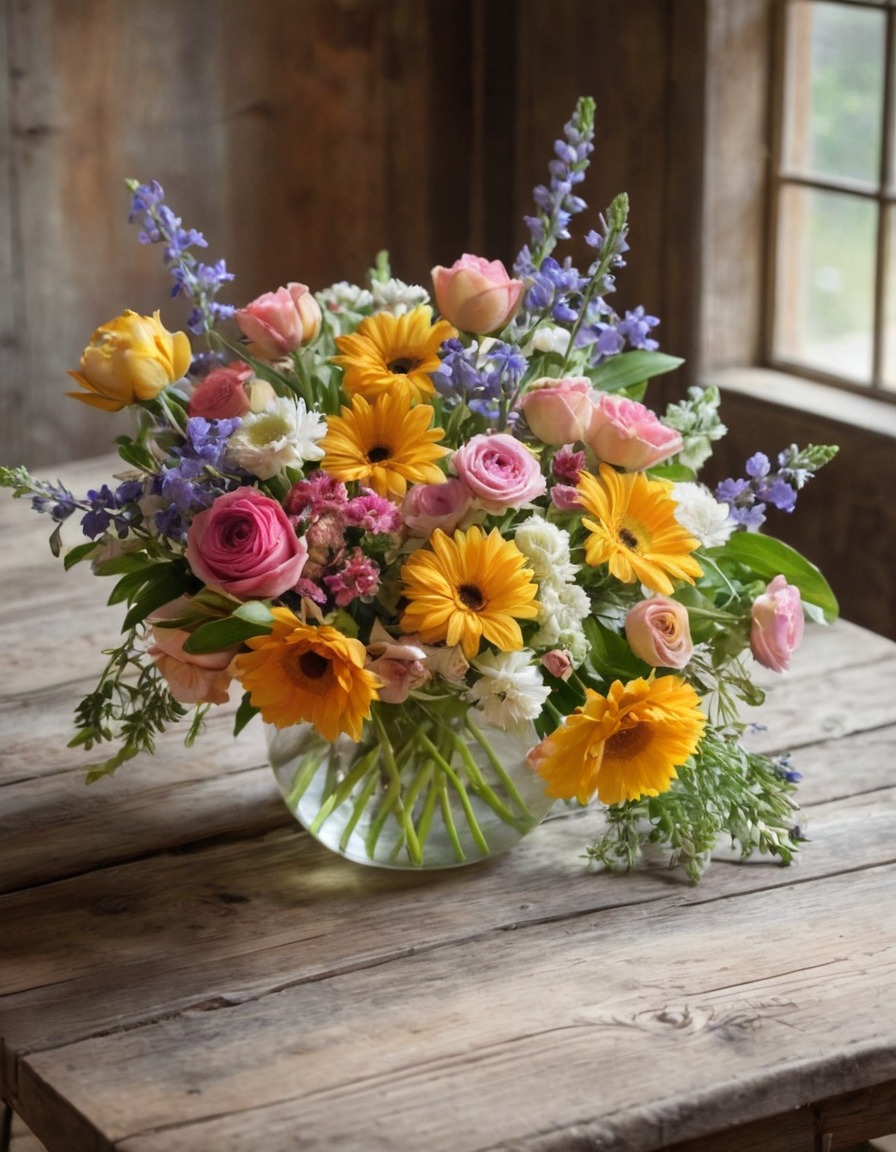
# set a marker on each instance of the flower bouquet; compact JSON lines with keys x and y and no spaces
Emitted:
{"x":444,"y":550}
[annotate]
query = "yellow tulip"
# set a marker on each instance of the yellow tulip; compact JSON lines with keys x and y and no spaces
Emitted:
{"x":129,"y":360}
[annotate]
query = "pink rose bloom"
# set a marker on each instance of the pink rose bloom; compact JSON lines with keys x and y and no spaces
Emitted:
{"x":277,"y":323}
{"x":191,"y":679}
{"x":245,"y":546}
{"x":398,"y":663}
{"x":628,"y":435}
{"x":659,"y":632}
{"x":221,"y":395}
{"x":500,"y":471}
{"x":430,"y":506}
{"x":558,"y":662}
{"x":477,"y":295}
{"x":777,"y":625}
{"x":559,"y":411}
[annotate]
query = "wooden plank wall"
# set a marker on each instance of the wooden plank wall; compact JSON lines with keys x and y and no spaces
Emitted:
{"x":301,"y":136}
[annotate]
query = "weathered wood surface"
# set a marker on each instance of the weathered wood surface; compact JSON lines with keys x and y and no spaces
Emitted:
{"x":182,"y":969}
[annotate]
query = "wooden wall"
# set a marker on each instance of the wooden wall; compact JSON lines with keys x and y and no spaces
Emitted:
{"x":301,"y":136}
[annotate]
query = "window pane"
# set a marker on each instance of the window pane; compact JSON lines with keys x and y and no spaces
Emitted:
{"x":825,"y":282}
{"x":834,"y":94}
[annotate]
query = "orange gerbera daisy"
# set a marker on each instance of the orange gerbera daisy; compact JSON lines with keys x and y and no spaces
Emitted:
{"x":635,"y":532}
{"x":300,"y":672}
{"x":624,"y":745}
{"x":467,"y":588}
{"x":384,"y":445}
{"x":393,"y":354}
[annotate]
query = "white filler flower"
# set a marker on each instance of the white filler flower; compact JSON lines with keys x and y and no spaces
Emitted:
{"x":699,"y":513}
{"x":509,"y":691}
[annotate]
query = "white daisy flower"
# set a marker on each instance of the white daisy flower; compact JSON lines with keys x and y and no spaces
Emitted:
{"x":283,"y":435}
{"x":397,"y":297}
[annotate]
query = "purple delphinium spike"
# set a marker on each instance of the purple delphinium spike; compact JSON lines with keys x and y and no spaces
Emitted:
{"x":200,"y":282}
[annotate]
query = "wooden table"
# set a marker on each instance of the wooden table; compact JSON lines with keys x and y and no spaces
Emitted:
{"x":182,"y":969}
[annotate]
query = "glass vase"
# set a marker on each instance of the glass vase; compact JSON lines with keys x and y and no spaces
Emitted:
{"x":427,"y":786}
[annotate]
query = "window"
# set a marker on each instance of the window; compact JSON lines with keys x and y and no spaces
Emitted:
{"x":833,"y":264}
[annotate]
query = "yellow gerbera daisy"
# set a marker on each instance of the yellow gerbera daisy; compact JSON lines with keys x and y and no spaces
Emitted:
{"x":299,"y":672}
{"x":635,"y":531}
{"x":385,"y":445}
{"x":393,"y":354}
{"x":467,"y":588}
{"x":623,"y":745}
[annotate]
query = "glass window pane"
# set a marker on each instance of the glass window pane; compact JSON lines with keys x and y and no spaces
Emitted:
{"x":825,"y":282}
{"x":834,"y":91}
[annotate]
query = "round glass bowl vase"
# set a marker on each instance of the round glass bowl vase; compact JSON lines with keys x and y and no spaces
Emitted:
{"x":425,"y":787}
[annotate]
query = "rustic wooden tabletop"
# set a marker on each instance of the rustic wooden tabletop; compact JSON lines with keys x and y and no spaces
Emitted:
{"x":182,"y":968}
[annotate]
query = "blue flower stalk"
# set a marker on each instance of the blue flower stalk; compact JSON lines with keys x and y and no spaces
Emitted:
{"x":198,"y":281}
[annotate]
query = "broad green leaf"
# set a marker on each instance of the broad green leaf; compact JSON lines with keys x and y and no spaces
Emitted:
{"x":768,"y":558}
{"x":218,"y":634}
{"x":610,"y":653}
{"x":174,"y":583}
{"x":632,"y":368}
{"x":130,"y":584}
{"x":255,"y":612}
{"x":244,"y":714}
{"x":77,"y":554}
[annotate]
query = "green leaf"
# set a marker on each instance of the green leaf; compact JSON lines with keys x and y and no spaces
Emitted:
{"x":79,"y":553}
{"x":768,"y":558}
{"x":175,"y":582}
{"x":610,"y":653}
{"x":129,"y":585}
{"x":218,"y":634}
{"x":632,"y":368}
{"x":255,"y":612}
{"x":244,"y":714}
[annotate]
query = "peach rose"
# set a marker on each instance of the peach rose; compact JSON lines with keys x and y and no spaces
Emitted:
{"x":222,"y":395}
{"x":191,"y":679}
{"x":659,"y":632}
{"x":559,"y":411}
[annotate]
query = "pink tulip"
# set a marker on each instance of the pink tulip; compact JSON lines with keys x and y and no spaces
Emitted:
{"x":777,"y":625}
{"x":477,"y":295}
{"x":628,"y":435}
{"x":277,"y":323}
{"x":559,"y":411}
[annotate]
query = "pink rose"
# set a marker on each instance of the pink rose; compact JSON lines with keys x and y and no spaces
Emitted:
{"x":221,"y":395}
{"x":500,"y":471}
{"x":245,"y":546}
{"x":777,"y":625}
{"x":430,"y":506}
{"x":559,"y":411}
{"x":191,"y":679}
{"x":628,"y":435}
{"x":659,"y":632}
{"x":477,"y":295}
{"x":277,"y":323}
{"x":558,"y":662}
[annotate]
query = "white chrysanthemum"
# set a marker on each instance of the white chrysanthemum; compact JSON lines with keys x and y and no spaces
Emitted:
{"x":548,"y":338}
{"x":509,"y":691}
{"x":344,"y":295}
{"x":284,"y":435}
{"x":397,"y":297}
{"x":546,"y":547}
{"x":563,"y":607}
{"x":699,"y":513}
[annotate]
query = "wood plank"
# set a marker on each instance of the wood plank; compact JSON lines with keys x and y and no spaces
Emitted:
{"x":149,"y":939}
{"x":401,"y":1051}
